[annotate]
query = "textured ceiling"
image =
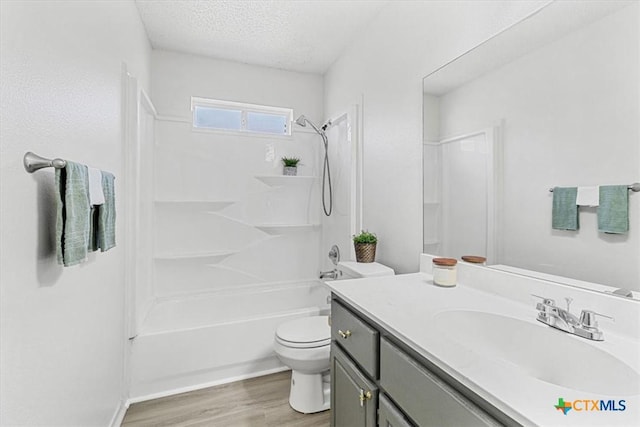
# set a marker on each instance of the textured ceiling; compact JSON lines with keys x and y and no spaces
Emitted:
{"x":294,"y":35}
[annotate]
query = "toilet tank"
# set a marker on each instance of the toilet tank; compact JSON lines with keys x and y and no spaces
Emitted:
{"x":355,"y":270}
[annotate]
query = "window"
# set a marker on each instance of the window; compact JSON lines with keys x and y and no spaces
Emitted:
{"x":240,"y":117}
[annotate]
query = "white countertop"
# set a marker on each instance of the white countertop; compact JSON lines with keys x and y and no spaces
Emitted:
{"x":406,"y":305}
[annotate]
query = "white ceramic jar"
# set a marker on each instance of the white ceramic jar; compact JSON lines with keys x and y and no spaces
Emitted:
{"x":444,"y":272}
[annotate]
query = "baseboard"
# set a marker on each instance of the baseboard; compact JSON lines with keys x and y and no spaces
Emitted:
{"x":204,"y":385}
{"x":118,"y":417}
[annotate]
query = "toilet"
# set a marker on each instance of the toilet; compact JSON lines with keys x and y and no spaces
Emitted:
{"x":304,"y":344}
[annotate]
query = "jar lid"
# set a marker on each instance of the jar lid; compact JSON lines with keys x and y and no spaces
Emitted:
{"x":474,"y":259}
{"x":448,"y":262}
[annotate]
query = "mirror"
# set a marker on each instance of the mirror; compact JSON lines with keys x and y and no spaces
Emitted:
{"x":551,"y":101}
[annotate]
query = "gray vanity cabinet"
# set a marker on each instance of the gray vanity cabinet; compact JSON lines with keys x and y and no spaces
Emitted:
{"x":389,"y":415}
{"x":423,"y":396}
{"x":375,"y":381}
{"x":354,"y":398}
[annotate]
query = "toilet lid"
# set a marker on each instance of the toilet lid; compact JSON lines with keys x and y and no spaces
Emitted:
{"x":311,"y":331}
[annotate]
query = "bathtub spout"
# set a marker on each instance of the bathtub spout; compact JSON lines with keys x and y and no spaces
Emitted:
{"x":331,"y":274}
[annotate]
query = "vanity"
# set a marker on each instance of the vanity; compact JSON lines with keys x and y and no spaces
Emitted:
{"x":406,"y":352}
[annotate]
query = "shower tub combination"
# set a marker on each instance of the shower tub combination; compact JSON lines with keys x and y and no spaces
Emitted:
{"x":196,"y":341}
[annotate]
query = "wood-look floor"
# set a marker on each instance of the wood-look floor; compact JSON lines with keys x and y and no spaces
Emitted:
{"x":256,"y":402}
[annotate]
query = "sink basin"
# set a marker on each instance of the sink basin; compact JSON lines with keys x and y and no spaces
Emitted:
{"x":540,"y":351}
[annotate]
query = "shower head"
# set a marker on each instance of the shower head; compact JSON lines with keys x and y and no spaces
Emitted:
{"x":302,"y":121}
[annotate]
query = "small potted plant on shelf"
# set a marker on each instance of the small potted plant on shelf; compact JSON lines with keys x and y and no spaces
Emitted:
{"x":365,"y":246}
{"x":290,"y":165}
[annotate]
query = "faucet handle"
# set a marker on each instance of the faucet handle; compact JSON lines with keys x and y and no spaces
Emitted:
{"x":588,"y":318}
{"x":569,"y":300}
{"x":545,"y":301}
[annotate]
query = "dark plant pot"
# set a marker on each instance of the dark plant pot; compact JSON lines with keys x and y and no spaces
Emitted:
{"x":365,"y":252}
{"x":290,"y":170}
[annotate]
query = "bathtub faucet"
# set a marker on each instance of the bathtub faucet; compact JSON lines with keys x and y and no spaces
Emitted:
{"x":331,"y":274}
{"x":585,"y":327}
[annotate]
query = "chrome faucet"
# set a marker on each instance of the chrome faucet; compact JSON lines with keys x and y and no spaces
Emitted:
{"x":330,"y":274}
{"x":586,"y":326}
{"x":334,"y":256}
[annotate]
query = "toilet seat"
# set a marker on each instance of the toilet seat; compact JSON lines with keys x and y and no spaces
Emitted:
{"x":307,"y":332}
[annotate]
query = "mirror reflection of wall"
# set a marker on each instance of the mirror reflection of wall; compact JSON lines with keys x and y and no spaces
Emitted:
{"x":569,"y":114}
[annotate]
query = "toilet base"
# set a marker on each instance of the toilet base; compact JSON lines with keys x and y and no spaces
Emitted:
{"x":309,"y":392}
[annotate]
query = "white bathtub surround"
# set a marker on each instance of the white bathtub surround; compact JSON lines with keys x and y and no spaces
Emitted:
{"x":345,"y":157}
{"x":235,"y":245}
{"x":199,"y":340}
{"x":523,"y":370}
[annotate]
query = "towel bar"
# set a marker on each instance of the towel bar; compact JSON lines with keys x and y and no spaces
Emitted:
{"x":32,"y":162}
{"x":635,"y":187}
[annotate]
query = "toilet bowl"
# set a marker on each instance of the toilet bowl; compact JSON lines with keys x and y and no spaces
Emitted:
{"x":303,"y":345}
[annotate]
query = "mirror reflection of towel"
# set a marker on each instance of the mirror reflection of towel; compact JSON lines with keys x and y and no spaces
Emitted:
{"x":613,"y":212}
{"x":564,"y":214}
{"x":106,"y":235}
{"x":588,"y":196}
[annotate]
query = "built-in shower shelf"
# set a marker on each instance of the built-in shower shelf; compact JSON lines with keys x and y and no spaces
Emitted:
{"x":276,"y":229}
{"x":212,"y":257}
{"x":431,"y":242}
{"x":279,"y":180}
{"x":194,"y":205}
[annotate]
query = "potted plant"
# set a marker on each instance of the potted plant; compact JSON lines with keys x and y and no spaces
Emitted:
{"x":290,"y":165}
{"x":365,"y":246}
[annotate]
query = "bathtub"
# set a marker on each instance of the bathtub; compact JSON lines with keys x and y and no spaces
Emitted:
{"x":196,"y":341}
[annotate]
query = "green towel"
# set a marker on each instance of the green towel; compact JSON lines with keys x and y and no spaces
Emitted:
{"x":106,"y":218}
{"x":72,"y":222}
{"x":564,"y":215}
{"x":613,"y":212}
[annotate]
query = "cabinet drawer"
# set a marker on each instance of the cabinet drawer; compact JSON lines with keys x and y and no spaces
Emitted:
{"x":425,"y":398}
{"x":389,"y":415}
{"x":357,"y":338}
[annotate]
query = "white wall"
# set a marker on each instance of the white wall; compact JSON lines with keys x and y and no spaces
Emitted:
{"x":384,"y":66}
{"x":571,"y":124}
{"x":62,"y":329}
{"x":177,"y":77}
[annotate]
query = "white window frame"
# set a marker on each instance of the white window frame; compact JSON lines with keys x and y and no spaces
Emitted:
{"x":244,"y":108}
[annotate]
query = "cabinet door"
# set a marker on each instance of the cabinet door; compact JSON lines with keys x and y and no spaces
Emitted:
{"x":354,"y":398}
{"x":389,"y":415}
